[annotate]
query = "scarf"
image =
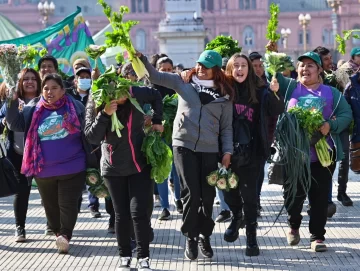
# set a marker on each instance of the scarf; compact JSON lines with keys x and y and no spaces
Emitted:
{"x":352,"y":66}
{"x":33,"y":160}
{"x":203,"y":83}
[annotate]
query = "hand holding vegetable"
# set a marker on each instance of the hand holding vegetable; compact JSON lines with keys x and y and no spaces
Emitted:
{"x":226,"y":160}
{"x":158,"y":128}
{"x":110,"y":108}
{"x":272,"y":46}
{"x":325,"y":128}
{"x":95,"y":74}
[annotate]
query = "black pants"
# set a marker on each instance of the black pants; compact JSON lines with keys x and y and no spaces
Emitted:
{"x":321,"y":177}
{"x":344,"y":164}
{"x":197,"y":195}
{"x":60,"y":196}
{"x":21,"y":199}
{"x":246,"y":194}
{"x":110,"y":210}
{"x":131,"y":197}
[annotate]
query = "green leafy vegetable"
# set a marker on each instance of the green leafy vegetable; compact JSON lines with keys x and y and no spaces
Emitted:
{"x":225,"y":46}
{"x":342,"y":40}
{"x":170,"y":104}
{"x":121,"y":36}
{"x":95,"y":51}
{"x":29,"y":53}
{"x":273,"y":23}
{"x":158,"y":155}
{"x":310,"y":121}
{"x":109,"y":86}
{"x":96,"y":183}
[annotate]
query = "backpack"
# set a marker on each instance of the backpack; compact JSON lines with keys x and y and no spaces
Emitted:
{"x":243,"y":143}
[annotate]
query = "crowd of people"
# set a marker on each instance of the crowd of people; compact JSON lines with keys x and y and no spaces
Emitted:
{"x":56,"y":132}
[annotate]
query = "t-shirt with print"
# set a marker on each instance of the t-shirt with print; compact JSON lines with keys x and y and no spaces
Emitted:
{"x":63,"y":153}
{"x":207,"y":95}
{"x":320,"y":99}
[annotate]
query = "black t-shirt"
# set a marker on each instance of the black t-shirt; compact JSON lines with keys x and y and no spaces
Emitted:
{"x":207,"y":95}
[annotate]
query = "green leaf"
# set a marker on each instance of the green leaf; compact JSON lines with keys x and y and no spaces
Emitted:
{"x":272,"y":26}
{"x":225,"y":46}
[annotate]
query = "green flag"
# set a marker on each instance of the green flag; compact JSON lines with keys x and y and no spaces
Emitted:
{"x":65,"y":40}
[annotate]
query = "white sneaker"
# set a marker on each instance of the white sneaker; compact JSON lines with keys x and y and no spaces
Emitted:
{"x":143,"y":264}
{"x":157,"y":202}
{"x":62,"y":244}
{"x":125,"y":263}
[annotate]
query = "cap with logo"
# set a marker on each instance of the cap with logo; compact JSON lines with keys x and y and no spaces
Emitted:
{"x":312,"y":55}
{"x":210,"y":59}
{"x":355,"y":51}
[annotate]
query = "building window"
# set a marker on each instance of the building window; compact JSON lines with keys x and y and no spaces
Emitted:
{"x":356,"y":42}
{"x":253,"y":2}
{"x":140,"y":39}
{"x":248,"y":37}
{"x":207,"y":5}
{"x":327,"y":37}
{"x":301,"y":37}
{"x":146,"y":6}
{"x":139,"y":6}
{"x":247,"y":4}
{"x":133,"y":6}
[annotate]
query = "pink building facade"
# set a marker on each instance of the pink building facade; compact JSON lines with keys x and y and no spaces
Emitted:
{"x":244,"y":20}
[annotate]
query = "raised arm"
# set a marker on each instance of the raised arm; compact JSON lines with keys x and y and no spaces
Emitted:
{"x":169,"y":80}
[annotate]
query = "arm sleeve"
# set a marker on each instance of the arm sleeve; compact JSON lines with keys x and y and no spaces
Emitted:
{"x":14,"y":118}
{"x":226,"y":129}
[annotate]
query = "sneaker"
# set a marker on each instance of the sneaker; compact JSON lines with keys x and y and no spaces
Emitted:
{"x":191,"y":250}
{"x":205,"y":247}
{"x":94,"y":212}
{"x":125,"y":264}
{"x":165,"y":215}
{"x":318,"y":246}
{"x":143,"y":264}
{"x":111,"y":229}
{"x":62,"y":243}
{"x":293,"y":237}
{"x":331,"y":209}
{"x":223,"y":216}
{"x":344,"y":199}
{"x":157,"y":202}
{"x":20,"y":234}
{"x":49,"y":231}
{"x":179,"y":206}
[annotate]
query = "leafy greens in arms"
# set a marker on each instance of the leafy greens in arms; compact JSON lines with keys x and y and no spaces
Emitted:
{"x":121,"y":36}
{"x":348,"y":34}
{"x":109,"y":86}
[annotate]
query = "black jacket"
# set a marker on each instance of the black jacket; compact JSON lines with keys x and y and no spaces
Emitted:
{"x":122,"y":156}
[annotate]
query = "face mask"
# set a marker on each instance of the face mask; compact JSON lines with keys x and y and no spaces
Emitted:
{"x":84,"y":84}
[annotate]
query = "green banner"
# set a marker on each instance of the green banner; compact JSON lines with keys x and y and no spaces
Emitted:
{"x":65,"y":40}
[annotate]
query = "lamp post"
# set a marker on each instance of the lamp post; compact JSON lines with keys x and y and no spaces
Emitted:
{"x":335,"y":5}
{"x":304,"y":21}
{"x":285,"y":33}
{"x":45,"y":10}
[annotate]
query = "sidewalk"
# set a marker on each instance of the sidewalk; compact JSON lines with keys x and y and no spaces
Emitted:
{"x":93,"y":249}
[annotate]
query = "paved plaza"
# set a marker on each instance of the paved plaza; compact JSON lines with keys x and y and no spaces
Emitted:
{"x":92,"y":248}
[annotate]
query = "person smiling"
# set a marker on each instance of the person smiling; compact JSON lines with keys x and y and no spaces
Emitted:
{"x":55,"y":153}
{"x":309,"y":92}
{"x":203,"y":119}
{"x":29,"y":87}
{"x":253,"y":104}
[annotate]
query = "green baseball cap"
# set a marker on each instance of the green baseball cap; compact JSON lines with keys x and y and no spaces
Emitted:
{"x":210,"y":59}
{"x":312,"y":55}
{"x":355,"y":51}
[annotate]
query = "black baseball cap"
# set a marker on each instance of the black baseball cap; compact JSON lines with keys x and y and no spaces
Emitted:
{"x":82,"y":69}
{"x":255,"y":55}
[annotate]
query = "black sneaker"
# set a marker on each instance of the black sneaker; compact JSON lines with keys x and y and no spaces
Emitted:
{"x":223,"y":216}
{"x":165,"y":215}
{"x":344,"y":199}
{"x":49,"y":231}
{"x":205,"y":247}
{"x":125,"y":264}
{"x":20,"y":234}
{"x":331,"y":210}
{"x":179,"y":206}
{"x":111,"y":229}
{"x":191,"y":250}
{"x":94,"y":212}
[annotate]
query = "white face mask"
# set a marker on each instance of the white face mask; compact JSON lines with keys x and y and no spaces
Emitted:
{"x":84,"y":84}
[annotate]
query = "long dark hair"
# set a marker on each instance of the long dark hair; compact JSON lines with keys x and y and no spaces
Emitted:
{"x":21,"y":81}
{"x":3,"y":90}
{"x":252,"y":82}
{"x":220,"y":81}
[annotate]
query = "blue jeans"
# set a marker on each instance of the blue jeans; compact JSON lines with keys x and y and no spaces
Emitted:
{"x":93,"y":201}
{"x":220,"y":196}
{"x":164,"y":188}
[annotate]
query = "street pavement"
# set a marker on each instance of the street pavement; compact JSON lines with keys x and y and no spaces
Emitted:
{"x":92,"y":248}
